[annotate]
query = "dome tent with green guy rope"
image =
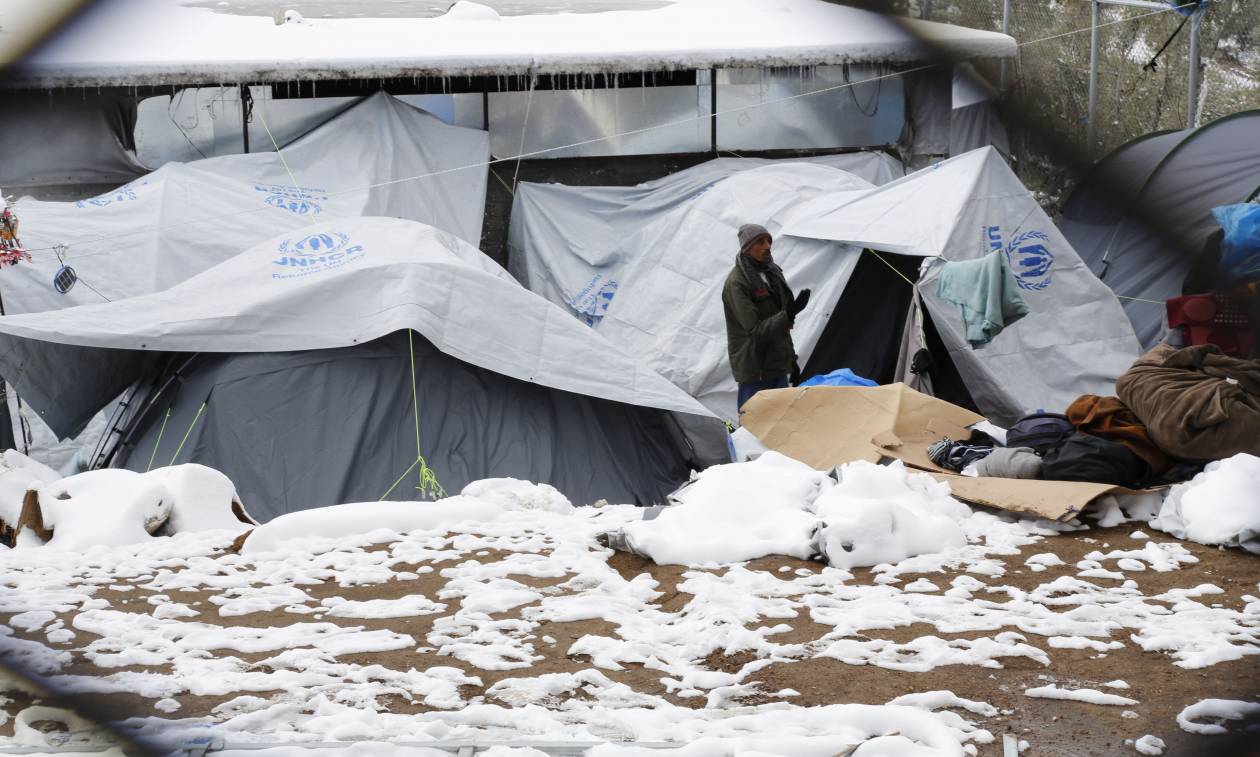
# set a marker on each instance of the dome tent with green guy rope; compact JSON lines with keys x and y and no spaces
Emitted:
{"x":304,"y":361}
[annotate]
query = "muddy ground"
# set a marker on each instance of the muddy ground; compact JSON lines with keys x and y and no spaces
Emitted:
{"x":1051,"y":727}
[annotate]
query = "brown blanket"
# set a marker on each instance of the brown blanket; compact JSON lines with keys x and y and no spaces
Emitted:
{"x":1197,"y":403}
{"x":1109,"y":418}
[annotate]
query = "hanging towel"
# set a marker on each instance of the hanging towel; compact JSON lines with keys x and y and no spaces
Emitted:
{"x":986,"y":293}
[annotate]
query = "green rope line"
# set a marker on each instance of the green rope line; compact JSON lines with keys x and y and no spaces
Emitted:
{"x":415,"y":402}
{"x":427,"y":483}
{"x":188,"y":433}
{"x":399,"y":481}
{"x":891,"y":267}
{"x":161,"y":431}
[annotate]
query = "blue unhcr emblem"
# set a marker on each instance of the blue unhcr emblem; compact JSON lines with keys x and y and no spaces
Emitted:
{"x":314,"y":254}
{"x":591,"y":304}
{"x":297,"y":200}
{"x":124,"y":193}
{"x":1028,"y":255}
{"x":1030,"y":260}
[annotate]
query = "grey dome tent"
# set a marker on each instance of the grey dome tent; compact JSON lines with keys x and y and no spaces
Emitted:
{"x":648,"y":264}
{"x":317,"y":367}
{"x":1144,"y":212}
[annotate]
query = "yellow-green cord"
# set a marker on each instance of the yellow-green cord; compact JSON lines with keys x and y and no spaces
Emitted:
{"x":161,"y":431}
{"x":187,"y":433}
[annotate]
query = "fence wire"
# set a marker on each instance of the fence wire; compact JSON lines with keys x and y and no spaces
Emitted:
{"x":1050,"y":80}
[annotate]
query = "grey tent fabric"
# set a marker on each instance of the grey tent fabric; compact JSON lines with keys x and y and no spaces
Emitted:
{"x":68,"y":137}
{"x":272,"y":347}
{"x":68,"y":383}
{"x":927,"y":117}
{"x":1141,"y":216}
{"x":977,"y":125}
{"x":296,"y":430}
{"x":974,"y":121}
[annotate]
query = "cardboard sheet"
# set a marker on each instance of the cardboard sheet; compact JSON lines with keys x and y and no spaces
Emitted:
{"x":826,"y":426}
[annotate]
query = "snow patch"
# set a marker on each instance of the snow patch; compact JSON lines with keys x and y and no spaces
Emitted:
{"x":1221,"y":505}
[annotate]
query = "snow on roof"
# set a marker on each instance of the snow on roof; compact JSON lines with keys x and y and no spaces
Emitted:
{"x":161,"y":42}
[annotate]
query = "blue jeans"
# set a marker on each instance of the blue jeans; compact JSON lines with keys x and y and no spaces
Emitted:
{"x":746,"y":391}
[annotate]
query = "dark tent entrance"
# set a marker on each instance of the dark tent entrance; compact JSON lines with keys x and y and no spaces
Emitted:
{"x":865,"y":330}
{"x":296,"y":430}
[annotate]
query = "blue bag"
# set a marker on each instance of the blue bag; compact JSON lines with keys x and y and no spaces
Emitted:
{"x":1240,"y":248}
{"x":839,"y":377}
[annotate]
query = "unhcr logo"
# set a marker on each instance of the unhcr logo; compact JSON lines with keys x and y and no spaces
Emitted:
{"x":315,"y":253}
{"x":1029,"y":257}
{"x":300,"y":201}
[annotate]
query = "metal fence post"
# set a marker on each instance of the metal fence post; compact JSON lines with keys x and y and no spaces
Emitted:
{"x":1091,"y":131}
{"x":1192,"y":76}
{"x":1006,"y":29}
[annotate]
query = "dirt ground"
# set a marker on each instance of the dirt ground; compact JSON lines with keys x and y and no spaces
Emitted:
{"x":1052,"y":728}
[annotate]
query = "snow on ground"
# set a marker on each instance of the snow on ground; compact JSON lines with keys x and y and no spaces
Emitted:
{"x":497,"y":615}
{"x":1219,"y":506}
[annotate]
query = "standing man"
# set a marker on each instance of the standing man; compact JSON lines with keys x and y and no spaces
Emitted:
{"x":760,"y":313}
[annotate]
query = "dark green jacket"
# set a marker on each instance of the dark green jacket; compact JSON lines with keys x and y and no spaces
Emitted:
{"x":758,"y":330}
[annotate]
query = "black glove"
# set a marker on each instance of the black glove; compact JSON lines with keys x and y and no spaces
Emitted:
{"x":797,"y":305}
{"x":795,"y":378}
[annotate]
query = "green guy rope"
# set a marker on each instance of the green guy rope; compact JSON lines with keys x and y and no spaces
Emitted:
{"x":427,"y":479}
{"x":415,"y":402}
{"x":187,"y":433}
{"x":159,"y":440}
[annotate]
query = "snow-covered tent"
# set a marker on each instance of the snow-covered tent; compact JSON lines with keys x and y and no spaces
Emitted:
{"x":166,"y":42}
{"x":290,"y":367}
{"x":1142,"y":215}
{"x":1075,"y":340}
{"x":162,"y":228}
{"x":644,"y":265}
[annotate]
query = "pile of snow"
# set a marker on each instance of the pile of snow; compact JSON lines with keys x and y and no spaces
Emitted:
{"x":1148,"y":744}
{"x":515,"y":494}
{"x":884,"y":514}
{"x":201,"y":498}
{"x":735,"y":512}
{"x":368,"y":517}
{"x":17,"y":474}
{"x":101,"y":507}
{"x":113,"y":507}
{"x":1221,"y":505}
{"x":1221,"y":710}
{"x":1089,"y":696}
{"x":875,"y":514}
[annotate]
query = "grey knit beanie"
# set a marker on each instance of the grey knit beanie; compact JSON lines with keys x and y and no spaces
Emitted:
{"x":749,"y":233}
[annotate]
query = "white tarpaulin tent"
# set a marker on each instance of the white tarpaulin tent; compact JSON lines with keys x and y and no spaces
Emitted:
{"x":346,"y":283}
{"x":644,"y":265}
{"x":183,"y":218}
{"x":1075,"y":340}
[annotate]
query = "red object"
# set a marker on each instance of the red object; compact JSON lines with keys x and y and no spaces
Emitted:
{"x":1213,"y":319}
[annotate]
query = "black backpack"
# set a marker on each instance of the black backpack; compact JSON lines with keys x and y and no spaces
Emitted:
{"x":1041,"y":431}
{"x":1101,"y":461}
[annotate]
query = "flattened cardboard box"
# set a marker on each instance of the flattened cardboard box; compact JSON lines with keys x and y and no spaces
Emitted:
{"x":826,"y":426}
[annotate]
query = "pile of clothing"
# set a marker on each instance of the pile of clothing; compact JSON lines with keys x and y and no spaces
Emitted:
{"x":1177,"y":410}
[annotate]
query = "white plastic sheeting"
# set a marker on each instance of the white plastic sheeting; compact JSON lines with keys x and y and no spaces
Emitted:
{"x":348,"y":281}
{"x":1075,"y":341}
{"x":129,"y":42}
{"x":185,"y":217}
{"x":645,"y":265}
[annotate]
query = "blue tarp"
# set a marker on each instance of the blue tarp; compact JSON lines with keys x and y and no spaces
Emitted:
{"x":1240,"y":247}
{"x":839,"y":377}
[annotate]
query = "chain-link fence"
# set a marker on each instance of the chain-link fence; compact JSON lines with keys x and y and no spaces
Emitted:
{"x":1050,"y":78}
